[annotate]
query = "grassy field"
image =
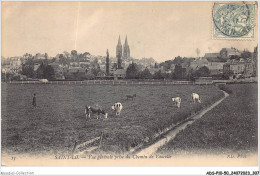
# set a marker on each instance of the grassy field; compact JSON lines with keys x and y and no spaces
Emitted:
{"x":228,"y":128}
{"x":58,"y":120}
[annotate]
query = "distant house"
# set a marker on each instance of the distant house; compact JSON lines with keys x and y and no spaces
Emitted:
{"x":76,"y":70}
{"x":120,"y":73}
{"x":36,"y":66}
{"x":172,"y":67}
{"x":39,"y":56}
{"x":101,"y":74}
{"x":241,"y":67}
{"x":215,"y":65}
{"x":153,"y":70}
{"x":229,"y":52}
{"x":211,"y":55}
{"x":197,"y":63}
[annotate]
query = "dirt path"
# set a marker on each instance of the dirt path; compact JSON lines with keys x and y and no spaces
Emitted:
{"x":171,"y":135}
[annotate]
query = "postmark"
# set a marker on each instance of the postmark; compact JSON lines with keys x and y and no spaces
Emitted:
{"x":233,"y":20}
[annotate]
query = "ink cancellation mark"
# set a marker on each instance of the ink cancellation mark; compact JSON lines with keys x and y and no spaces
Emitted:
{"x":233,"y":21}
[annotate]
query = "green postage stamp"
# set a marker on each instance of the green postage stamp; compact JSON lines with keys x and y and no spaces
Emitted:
{"x":233,"y":20}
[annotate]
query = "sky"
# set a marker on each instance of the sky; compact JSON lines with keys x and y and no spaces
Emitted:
{"x":162,"y":30}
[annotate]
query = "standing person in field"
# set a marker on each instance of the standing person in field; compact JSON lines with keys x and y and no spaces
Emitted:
{"x":34,"y":100}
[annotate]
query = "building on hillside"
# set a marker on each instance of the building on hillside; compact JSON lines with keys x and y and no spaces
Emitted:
{"x":211,"y":55}
{"x":76,"y":70}
{"x":229,"y":52}
{"x":239,"y":68}
{"x":197,"y":63}
{"x":254,"y":60}
{"x":40,"y":56}
{"x":215,"y":66}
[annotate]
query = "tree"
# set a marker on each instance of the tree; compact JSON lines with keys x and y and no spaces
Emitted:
{"x":90,"y":75}
{"x":74,"y":53}
{"x":132,"y":71}
{"x":202,"y":72}
{"x":28,"y":70}
{"x":46,"y":56}
{"x":95,"y":67}
{"x":45,"y":71}
{"x":146,"y":74}
{"x":63,"y":60}
{"x":177,"y":60}
{"x":158,"y":75}
{"x":178,"y":72}
{"x":66,"y":54}
{"x":48,"y":72}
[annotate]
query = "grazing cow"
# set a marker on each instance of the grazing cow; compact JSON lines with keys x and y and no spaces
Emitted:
{"x":118,"y":108}
{"x":130,"y":96}
{"x":195,"y":97}
{"x":90,"y":110}
{"x":177,"y":101}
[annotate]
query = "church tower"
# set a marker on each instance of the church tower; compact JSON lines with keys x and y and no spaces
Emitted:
{"x":119,"y":54}
{"x":126,"y":53}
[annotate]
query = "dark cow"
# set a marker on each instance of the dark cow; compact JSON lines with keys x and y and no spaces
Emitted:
{"x":130,"y":96}
{"x":90,"y":110}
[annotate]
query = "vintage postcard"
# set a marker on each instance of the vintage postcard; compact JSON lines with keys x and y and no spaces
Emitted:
{"x":129,"y":83}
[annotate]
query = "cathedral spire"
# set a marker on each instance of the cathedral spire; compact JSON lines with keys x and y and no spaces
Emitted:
{"x":126,"y":52}
{"x":119,"y":41}
{"x":126,"y":43}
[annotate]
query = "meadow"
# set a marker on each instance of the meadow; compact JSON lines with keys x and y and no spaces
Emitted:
{"x":59,"y":120}
{"x":231,"y":127}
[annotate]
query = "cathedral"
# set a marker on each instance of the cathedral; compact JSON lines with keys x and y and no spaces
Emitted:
{"x":122,"y":53}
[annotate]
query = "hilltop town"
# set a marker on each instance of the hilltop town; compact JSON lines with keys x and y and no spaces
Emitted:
{"x":228,"y":63}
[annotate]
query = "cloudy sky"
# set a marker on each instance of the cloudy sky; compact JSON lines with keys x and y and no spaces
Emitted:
{"x":162,"y":30}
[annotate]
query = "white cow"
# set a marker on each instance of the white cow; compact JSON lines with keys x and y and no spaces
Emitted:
{"x":195,"y":97}
{"x":118,"y":108}
{"x":177,"y":101}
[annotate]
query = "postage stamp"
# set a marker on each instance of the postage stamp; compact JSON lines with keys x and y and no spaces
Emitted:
{"x":233,"y":20}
